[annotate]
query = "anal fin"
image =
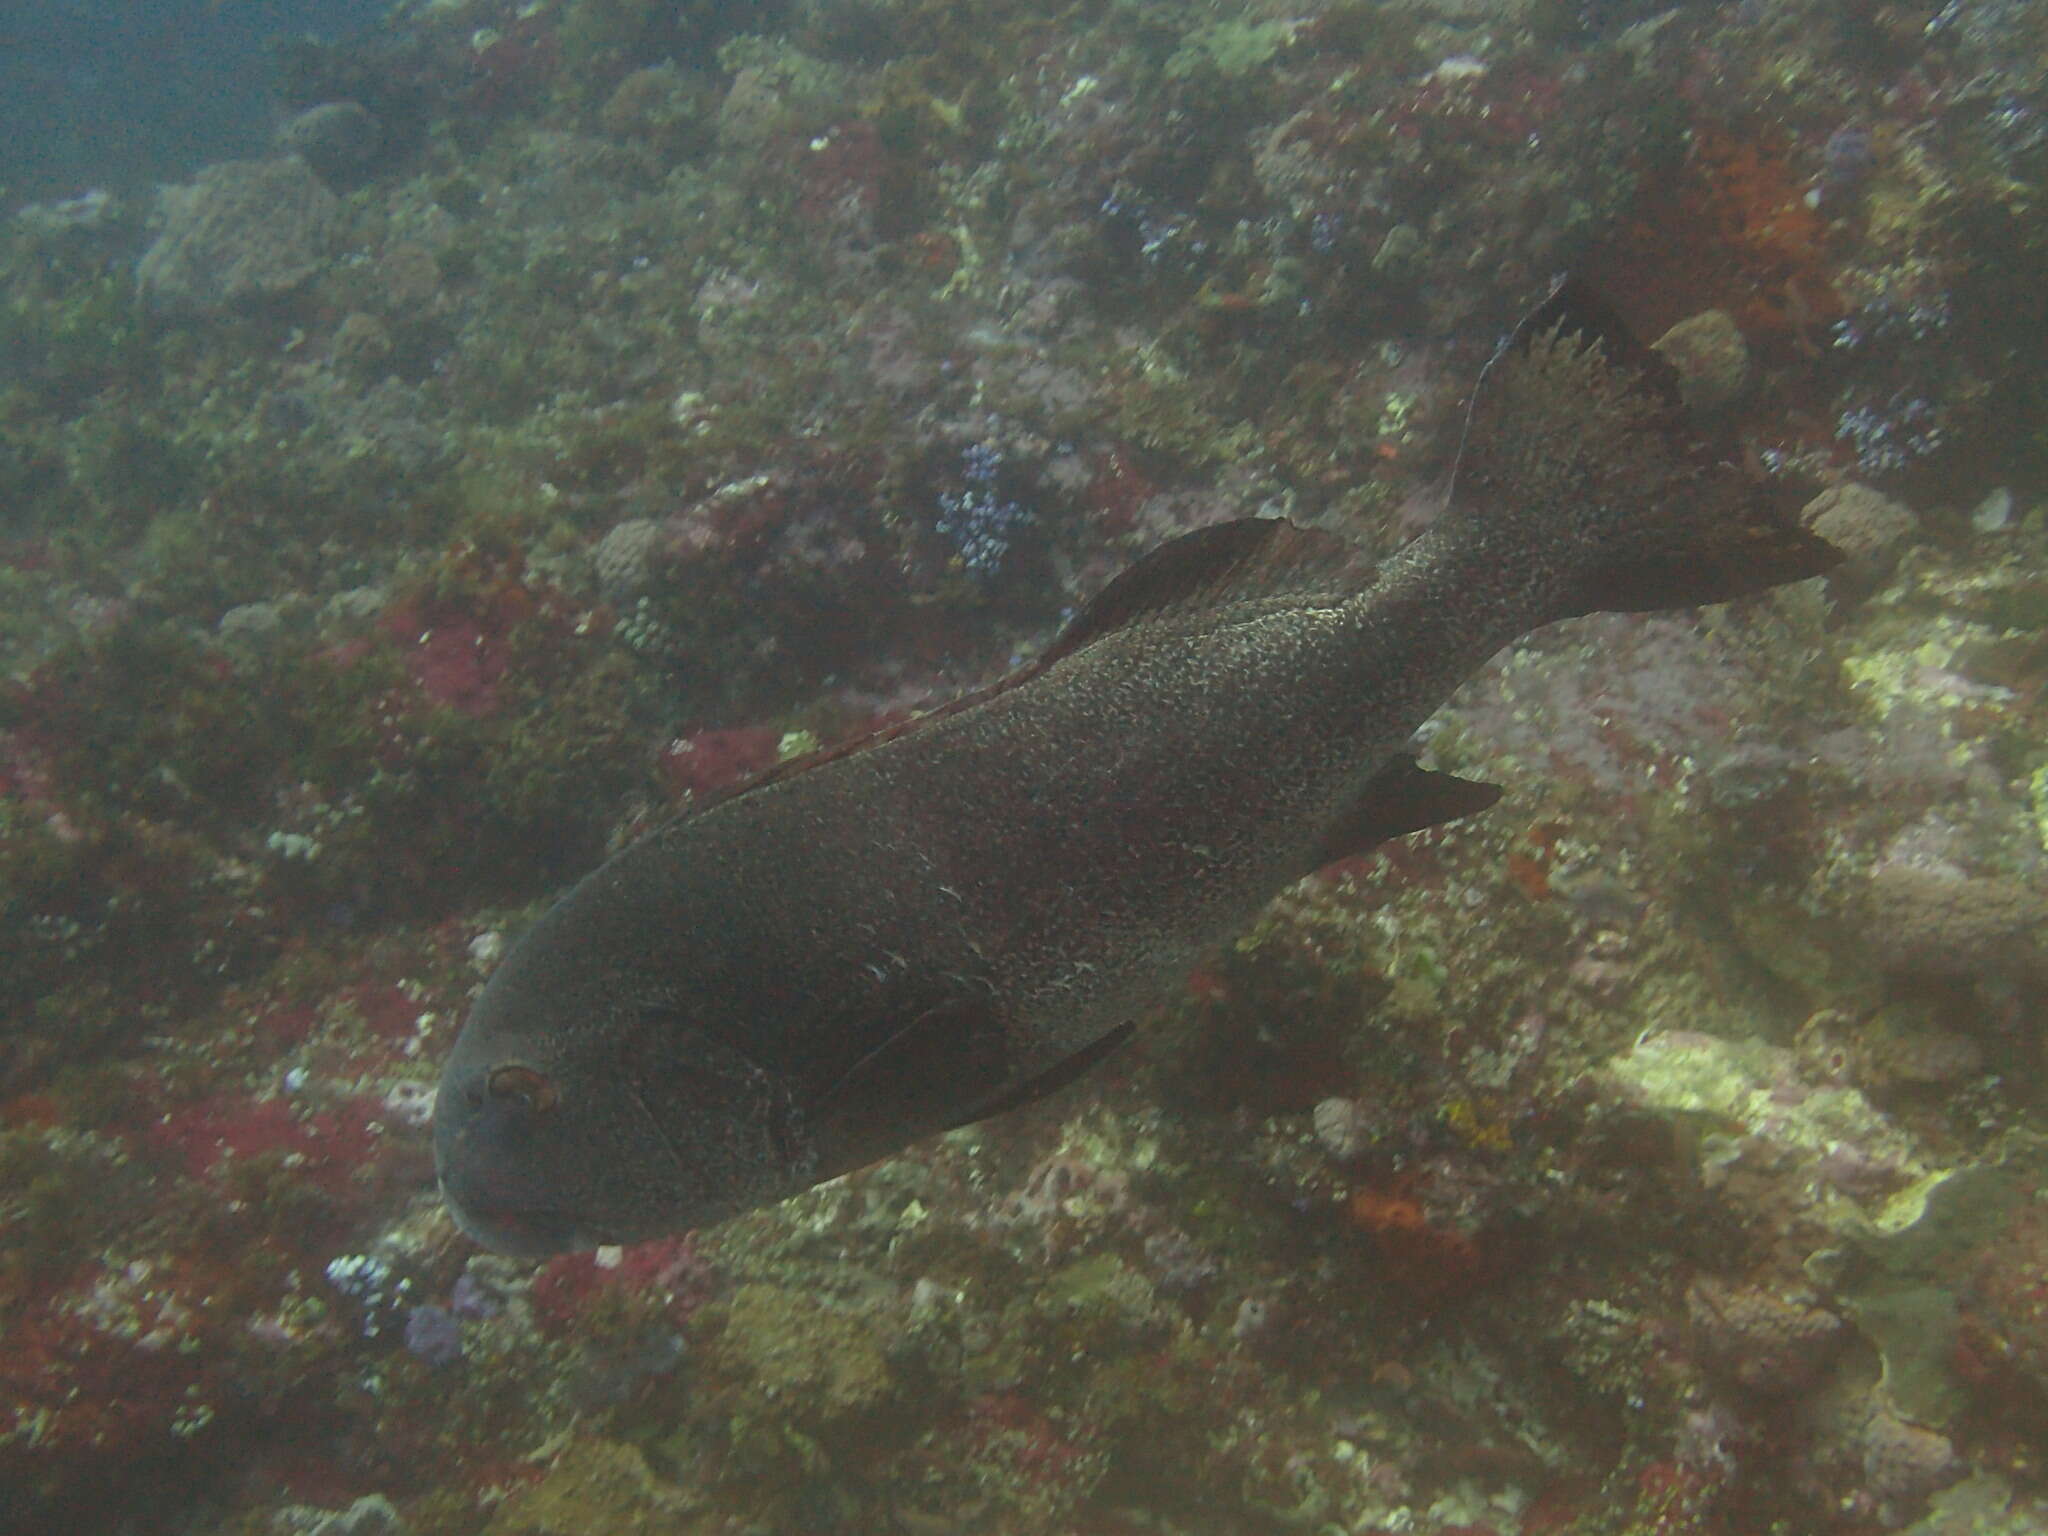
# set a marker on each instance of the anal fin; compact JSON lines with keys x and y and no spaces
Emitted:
{"x":1403,"y":797}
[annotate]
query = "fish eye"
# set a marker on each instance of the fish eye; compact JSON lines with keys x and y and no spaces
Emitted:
{"x":536,"y":1092}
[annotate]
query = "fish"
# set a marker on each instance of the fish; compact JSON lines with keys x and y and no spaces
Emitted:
{"x":957,"y":916}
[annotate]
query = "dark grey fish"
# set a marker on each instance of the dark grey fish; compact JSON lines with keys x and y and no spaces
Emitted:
{"x":954,"y":918}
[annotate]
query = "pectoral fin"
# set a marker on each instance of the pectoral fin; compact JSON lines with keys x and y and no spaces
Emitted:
{"x":1068,"y":1069}
{"x":943,"y":1070}
{"x":917,"y":1082}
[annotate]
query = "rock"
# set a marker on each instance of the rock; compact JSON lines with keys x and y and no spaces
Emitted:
{"x":1940,"y":923}
{"x":1711,"y":357}
{"x":1402,"y":252}
{"x":90,"y":212}
{"x":1902,"y":1279}
{"x":361,"y":343}
{"x":1864,"y":524}
{"x":408,"y":276}
{"x":1756,"y":1091}
{"x":371,"y":1515}
{"x":339,"y":139}
{"x":662,"y":107}
{"x":777,"y":89}
{"x":1902,"y":1462}
{"x":1343,"y":1127}
{"x":1925,"y":1056}
{"x":250,"y":625}
{"x":1994,"y":513}
{"x":2006,"y":1299}
{"x":1771,"y":1342}
{"x":1982,"y":1505}
{"x":752,"y":112}
{"x":244,"y":231}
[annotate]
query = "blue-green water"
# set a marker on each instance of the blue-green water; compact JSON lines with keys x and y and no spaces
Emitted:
{"x":99,"y":94}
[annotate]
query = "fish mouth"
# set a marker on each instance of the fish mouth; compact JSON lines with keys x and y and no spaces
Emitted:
{"x":498,"y":1212}
{"x":529,"y":1232}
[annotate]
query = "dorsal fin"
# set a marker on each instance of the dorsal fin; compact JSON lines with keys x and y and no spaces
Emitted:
{"x":1223,"y":565}
{"x":1237,"y":564}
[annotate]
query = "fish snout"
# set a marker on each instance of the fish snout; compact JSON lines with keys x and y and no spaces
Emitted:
{"x":492,"y":1168}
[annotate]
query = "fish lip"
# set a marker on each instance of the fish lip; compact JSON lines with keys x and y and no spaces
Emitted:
{"x":537,"y":1232}
{"x":504,"y":1225}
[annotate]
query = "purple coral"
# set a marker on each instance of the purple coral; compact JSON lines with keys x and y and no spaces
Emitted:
{"x":433,"y":1335}
{"x":1846,"y":161}
{"x":471,"y":1298}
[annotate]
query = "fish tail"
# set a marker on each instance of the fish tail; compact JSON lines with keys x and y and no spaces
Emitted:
{"x":1580,"y":460}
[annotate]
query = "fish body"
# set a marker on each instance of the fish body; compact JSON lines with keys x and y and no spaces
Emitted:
{"x":958,"y":916}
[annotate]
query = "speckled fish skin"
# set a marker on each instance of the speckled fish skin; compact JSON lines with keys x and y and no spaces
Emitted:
{"x":957,"y":917}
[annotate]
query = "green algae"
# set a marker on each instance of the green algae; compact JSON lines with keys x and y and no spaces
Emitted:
{"x":1162,"y":408}
{"x":1983,"y":1504}
{"x":598,"y":1487}
{"x":818,"y":1361}
{"x":72,"y":331}
{"x":1793,"y":945}
{"x":596,"y":35}
{"x":810,"y":90}
{"x":1100,"y":1305}
{"x":1231,"y":48}
{"x":1901,"y":1276}
{"x":1737,"y":1084}
{"x":61,"y":1191}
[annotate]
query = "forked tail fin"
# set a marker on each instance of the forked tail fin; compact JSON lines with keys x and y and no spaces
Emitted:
{"x":1579,"y":455}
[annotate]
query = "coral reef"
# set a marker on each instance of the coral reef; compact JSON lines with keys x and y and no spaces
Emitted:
{"x":244,"y":231}
{"x":593,"y":403}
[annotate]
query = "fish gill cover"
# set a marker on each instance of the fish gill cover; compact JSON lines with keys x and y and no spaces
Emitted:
{"x":549,"y":416}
